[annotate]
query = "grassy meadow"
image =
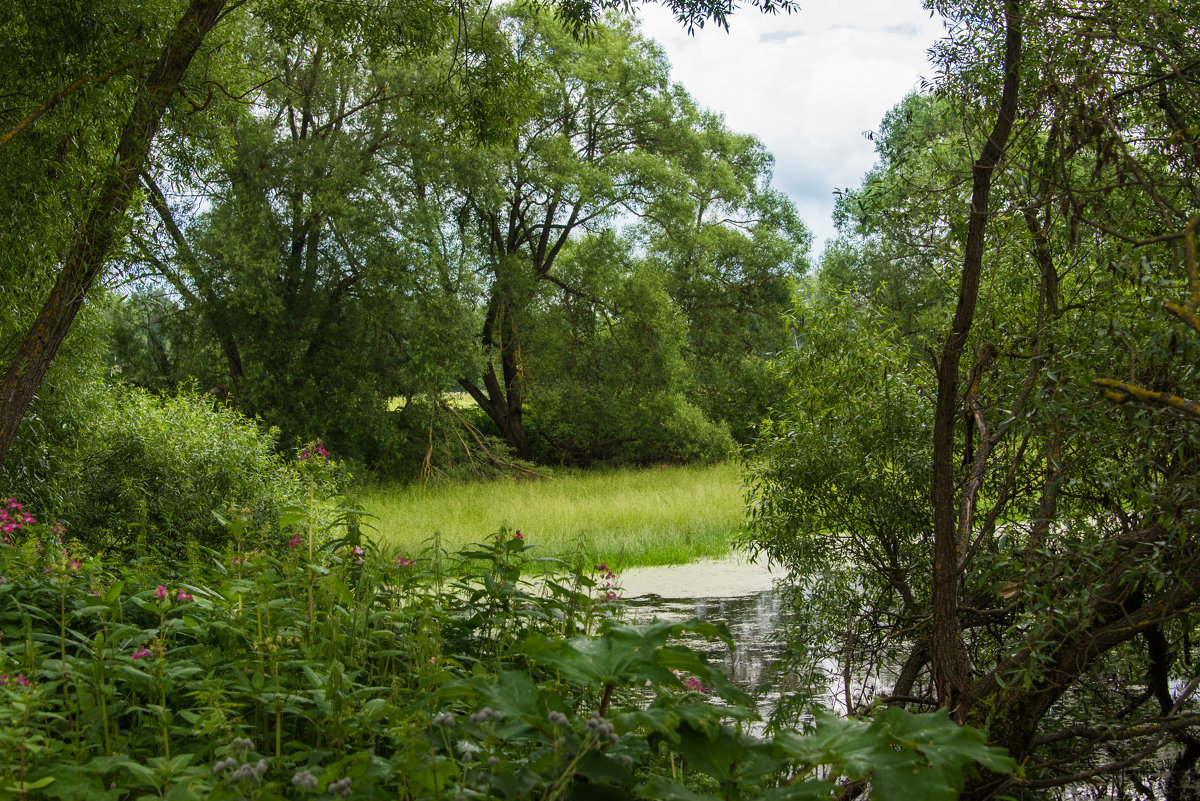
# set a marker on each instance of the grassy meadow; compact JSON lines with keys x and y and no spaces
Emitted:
{"x":628,"y":517}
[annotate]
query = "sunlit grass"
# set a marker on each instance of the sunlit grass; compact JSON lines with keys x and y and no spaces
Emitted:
{"x":623,"y":517}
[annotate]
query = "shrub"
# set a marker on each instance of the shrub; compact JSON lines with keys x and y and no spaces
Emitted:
{"x":355,"y":672}
{"x":119,"y":465}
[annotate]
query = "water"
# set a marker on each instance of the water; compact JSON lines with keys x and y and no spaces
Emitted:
{"x":735,"y":591}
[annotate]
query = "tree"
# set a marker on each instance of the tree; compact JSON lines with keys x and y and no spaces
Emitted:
{"x":307,"y":259}
{"x":89,"y":245}
{"x":610,"y":139}
{"x":1031,"y":566}
{"x":610,"y":381}
{"x":731,"y":248}
{"x":115,"y":58}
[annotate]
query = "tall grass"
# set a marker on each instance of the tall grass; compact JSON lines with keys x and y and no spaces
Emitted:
{"x":627,"y":517}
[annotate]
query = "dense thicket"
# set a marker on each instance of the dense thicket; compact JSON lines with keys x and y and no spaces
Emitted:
{"x":988,"y":461}
{"x":335,"y":215}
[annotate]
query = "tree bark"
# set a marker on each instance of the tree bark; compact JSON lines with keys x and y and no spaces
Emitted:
{"x":948,"y":651}
{"x":92,"y":241}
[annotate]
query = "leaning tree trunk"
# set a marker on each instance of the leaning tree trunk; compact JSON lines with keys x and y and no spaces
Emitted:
{"x":948,"y":651}
{"x":92,"y":241}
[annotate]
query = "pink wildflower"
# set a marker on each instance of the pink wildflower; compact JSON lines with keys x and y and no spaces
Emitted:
{"x":183,"y":596}
{"x":141,"y":653}
{"x":357,"y":552}
{"x":295,"y":540}
{"x":21,"y":681}
{"x":161,"y":592}
{"x":402,"y":562}
{"x":519,"y":536}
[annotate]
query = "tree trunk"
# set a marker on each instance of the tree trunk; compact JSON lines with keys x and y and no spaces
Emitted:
{"x":503,"y":402}
{"x":948,"y":651}
{"x":91,"y":242}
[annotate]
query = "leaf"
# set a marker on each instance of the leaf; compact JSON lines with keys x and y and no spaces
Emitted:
{"x":661,"y":787}
{"x":598,"y":766}
{"x":291,"y":515}
{"x":24,"y":787}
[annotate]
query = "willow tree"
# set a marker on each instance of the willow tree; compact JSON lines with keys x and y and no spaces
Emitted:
{"x":1012,"y":543}
{"x":88,"y":88}
{"x":610,"y":141}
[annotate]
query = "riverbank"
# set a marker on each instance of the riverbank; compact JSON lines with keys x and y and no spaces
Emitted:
{"x":625,"y":518}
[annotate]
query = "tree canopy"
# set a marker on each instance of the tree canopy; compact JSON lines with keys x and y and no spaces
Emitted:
{"x":1003,"y":521}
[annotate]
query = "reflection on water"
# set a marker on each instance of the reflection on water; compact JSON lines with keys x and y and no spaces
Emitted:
{"x":753,"y":620}
{"x":734,"y":591}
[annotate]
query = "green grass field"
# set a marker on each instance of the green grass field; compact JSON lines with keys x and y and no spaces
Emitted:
{"x":626,"y":517}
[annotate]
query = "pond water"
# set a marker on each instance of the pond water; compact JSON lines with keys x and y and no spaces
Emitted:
{"x":735,"y":591}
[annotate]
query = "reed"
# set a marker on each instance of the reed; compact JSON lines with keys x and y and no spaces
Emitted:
{"x":623,"y":517}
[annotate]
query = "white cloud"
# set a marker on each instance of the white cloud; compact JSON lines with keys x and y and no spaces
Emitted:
{"x":807,"y":84}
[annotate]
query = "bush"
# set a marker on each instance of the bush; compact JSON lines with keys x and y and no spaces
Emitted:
{"x":119,"y":465}
{"x":356,"y":672}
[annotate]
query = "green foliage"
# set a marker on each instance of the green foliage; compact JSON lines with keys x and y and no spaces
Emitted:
{"x":122,"y":468}
{"x":239,"y":674}
{"x":608,"y":381}
{"x":1064,"y":519}
{"x":624,"y":517}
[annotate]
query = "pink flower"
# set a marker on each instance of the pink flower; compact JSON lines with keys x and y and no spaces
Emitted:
{"x":141,"y":653}
{"x":693,"y":685}
{"x":295,"y":540}
{"x":358,"y":554}
{"x":21,"y":681}
{"x":402,"y":562}
{"x":519,"y":536}
{"x":161,"y":592}
{"x":183,"y":596}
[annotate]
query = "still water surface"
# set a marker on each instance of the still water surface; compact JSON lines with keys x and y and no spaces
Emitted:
{"x":734,"y":591}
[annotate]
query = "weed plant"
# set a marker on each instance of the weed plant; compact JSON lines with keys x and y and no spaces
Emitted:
{"x":625,"y":517}
{"x":311,"y":663}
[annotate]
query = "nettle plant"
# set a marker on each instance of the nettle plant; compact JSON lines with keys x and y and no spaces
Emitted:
{"x":339,"y":668}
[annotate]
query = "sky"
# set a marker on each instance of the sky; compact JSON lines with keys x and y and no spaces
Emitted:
{"x":808,"y":85}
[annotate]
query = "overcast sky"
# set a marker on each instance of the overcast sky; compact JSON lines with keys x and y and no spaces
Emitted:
{"x":807,"y":84}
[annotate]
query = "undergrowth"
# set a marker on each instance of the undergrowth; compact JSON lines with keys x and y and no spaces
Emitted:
{"x":310,"y":662}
